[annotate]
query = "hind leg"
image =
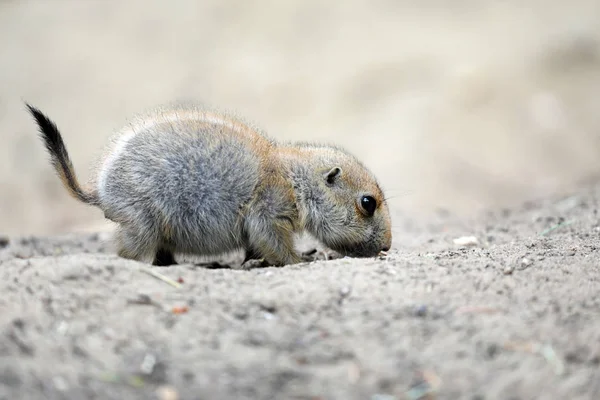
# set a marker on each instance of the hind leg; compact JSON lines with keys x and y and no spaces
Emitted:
{"x":134,"y":243}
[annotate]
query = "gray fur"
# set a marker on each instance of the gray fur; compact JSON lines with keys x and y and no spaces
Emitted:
{"x":186,"y":185}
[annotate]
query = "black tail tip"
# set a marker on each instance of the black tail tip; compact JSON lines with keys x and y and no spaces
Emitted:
{"x":46,"y":125}
{"x":35,"y":112}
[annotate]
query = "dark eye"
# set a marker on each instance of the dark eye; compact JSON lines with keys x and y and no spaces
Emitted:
{"x":368,"y":204}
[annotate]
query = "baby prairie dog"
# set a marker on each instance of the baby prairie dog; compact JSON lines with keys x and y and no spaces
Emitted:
{"x":187,"y":180}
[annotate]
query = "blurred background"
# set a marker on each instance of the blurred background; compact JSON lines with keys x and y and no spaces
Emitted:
{"x":458,"y":105}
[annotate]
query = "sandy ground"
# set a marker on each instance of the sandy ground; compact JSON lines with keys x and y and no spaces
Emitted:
{"x":479,"y":118}
{"x":514,"y":317}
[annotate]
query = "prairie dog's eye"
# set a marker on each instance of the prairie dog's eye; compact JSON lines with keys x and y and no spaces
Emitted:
{"x":368,"y":204}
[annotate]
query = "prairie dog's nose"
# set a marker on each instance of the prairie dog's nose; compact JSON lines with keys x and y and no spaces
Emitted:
{"x":385,"y":248}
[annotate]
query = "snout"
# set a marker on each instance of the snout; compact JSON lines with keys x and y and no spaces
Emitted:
{"x":371,"y":247}
{"x":387,"y":241}
{"x":362,"y":250}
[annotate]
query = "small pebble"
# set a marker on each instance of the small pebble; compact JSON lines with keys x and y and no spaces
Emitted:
{"x":421,"y":310}
{"x":142,"y":299}
{"x":526,"y":262}
{"x":167,"y":392}
{"x":508,"y":270}
{"x":269,"y":316}
{"x":60,"y":384}
{"x":63,"y":328}
{"x":466,"y":241}
{"x":180,"y":310}
{"x":381,"y":396}
{"x":4,"y":241}
{"x":148,"y":364}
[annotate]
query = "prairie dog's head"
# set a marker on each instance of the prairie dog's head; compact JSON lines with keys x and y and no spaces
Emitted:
{"x":345,"y":207}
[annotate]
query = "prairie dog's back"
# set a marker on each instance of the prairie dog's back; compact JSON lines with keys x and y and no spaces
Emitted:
{"x":180,"y":121}
{"x":186,"y":168}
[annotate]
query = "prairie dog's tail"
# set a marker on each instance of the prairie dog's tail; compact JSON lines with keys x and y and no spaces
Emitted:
{"x":60,"y":157}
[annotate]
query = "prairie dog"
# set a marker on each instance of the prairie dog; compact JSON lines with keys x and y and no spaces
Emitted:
{"x":188,"y":180}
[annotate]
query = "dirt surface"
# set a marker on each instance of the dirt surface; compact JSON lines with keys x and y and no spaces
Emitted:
{"x":460,"y":106}
{"x":515,"y":316}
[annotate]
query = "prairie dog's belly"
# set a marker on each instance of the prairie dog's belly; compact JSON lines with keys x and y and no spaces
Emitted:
{"x":190,"y":184}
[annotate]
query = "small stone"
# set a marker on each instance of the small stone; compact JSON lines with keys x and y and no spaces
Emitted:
{"x":269,"y":316}
{"x":526,"y":262}
{"x":421,"y":310}
{"x":63,"y":328}
{"x":148,"y":364}
{"x":466,"y":241}
{"x":508,"y":270}
{"x":167,"y":392}
{"x":4,"y":241}
{"x":382,"y":396}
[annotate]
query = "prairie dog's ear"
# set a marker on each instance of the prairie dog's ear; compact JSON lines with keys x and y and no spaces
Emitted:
{"x":332,"y":175}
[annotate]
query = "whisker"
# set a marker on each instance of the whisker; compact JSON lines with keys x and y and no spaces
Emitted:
{"x":402,"y":193}
{"x":390,"y":197}
{"x":404,"y":190}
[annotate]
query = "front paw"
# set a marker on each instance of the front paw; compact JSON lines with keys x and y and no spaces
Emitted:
{"x":255,"y":263}
{"x":318,"y":254}
{"x":309,"y":255}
